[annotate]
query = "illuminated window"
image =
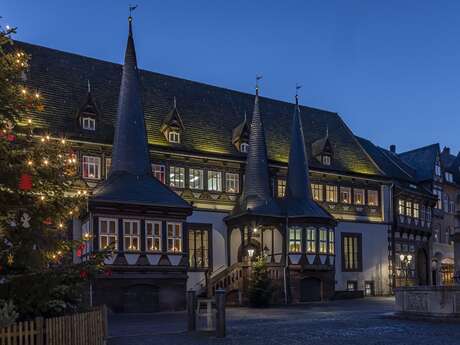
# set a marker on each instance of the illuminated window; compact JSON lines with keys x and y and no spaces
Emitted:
{"x":402,"y":209}
{"x":311,"y":240}
{"x":177,"y":177}
{"x":326,"y":160}
{"x":244,"y":147}
{"x":174,"y":137}
{"x":372,"y":198}
{"x":108,"y":165}
{"x":438,"y":192}
{"x":416,"y":210}
{"x":108,"y":233}
{"x":215,"y":181}
{"x":295,"y":239}
{"x":131,"y":234}
{"x":345,"y":195}
{"x":331,"y":193}
{"x":88,"y":123}
{"x":153,"y":236}
{"x":323,"y":233}
{"x":409,"y":208}
{"x":281,"y":187}
{"x":196,"y":178}
{"x":358,"y":196}
{"x":331,"y":242}
{"x":232,"y":183}
{"x":352,"y":285}
{"x":351,"y":252}
{"x":91,"y":167}
{"x":159,"y":172}
{"x":317,"y":191}
{"x":174,"y":237}
{"x":198,"y":248}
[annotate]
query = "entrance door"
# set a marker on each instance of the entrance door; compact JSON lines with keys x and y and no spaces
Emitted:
{"x":422,"y":267}
{"x":310,"y":290}
{"x":141,"y":299}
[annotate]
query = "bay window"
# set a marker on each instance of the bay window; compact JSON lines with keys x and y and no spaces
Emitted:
{"x":108,"y":233}
{"x":177,"y":177}
{"x":174,"y":237}
{"x":323,"y":234}
{"x":311,"y":240}
{"x":372,"y":198}
{"x":91,"y":167}
{"x":215,"y":181}
{"x":317,"y":191}
{"x":295,"y":239}
{"x":345,"y":195}
{"x":153,"y":236}
{"x":131,"y":235}
{"x":196,"y":178}
{"x":232,"y":183}
{"x":359,"y":196}
{"x":331,"y":193}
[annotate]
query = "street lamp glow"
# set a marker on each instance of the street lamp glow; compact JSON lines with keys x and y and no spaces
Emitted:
{"x":251,"y":252}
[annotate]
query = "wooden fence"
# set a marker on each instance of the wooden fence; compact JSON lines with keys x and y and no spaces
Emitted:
{"x":88,"y":328}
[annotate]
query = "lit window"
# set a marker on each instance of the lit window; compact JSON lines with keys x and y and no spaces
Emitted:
{"x":331,"y":193}
{"x":416,"y":210}
{"x":323,"y":240}
{"x":232,"y":183}
{"x":358,"y":196}
{"x":326,"y":160}
{"x":438,"y":193}
{"x":196,"y":178}
{"x":372,"y":198}
{"x":449,"y":177}
{"x":88,"y":123}
{"x":198,"y":248}
{"x":174,"y":137}
{"x":402,"y":209}
{"x":351,"y":244}
{"x":215,"y":181}
{"x":174,"y":237}
{"x":131,"y":235}
{"x":108,"y":233}
{"x":153,"y":236}
{"x":244,"y":147}
{"x":159,"y":172}
{"x":281,"y":187}
{"x":331,"y":242}
{"x":409,"y":208}
{"x":317,"y":191}
{"x":295,"y":239}
{"x":345,"y":195}
{"x":311,"y":240}
{"x":177,"y":177}
{"x":91,"y":167}
{"x":352,"y":285}
{"x":108,"y":165}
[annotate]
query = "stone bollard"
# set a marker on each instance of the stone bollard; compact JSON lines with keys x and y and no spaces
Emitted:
{"x":191,"y":310}
{"x":220,"y":318}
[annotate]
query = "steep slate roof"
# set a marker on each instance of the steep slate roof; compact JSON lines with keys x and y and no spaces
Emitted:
{"x":209,"y":113}
{"x":130,"y":180}
{"x":256,"y":197}
{"x":423,"y":160}
{"x":298,"y":201}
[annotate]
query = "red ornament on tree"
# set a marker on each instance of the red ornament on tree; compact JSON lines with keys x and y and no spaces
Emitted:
{"x":11,"y":137}
{"x":80,"y":249}
{"x":83,"y":274}
{"x":47,"y":221}
{"x":25,"y":182}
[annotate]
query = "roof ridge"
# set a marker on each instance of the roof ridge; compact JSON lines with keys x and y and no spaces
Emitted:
{"x":419,"y":149}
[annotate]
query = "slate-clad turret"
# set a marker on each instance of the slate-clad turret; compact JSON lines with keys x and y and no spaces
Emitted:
{"x":298,"y":201}
{"x":256,"y":197}
{"x":130,"y":180}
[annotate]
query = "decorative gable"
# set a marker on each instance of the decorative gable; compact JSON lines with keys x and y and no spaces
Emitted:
{"x":172,"y":126}
{"x":322,"y":150}
{"x":88,"y":114}
{"x":240,"y":136}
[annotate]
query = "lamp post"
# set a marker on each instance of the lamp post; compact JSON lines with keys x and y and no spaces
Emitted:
{"x":405,"y":265}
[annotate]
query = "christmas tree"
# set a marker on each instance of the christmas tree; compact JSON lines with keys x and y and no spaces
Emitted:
{"x":38,"y":201}
{"x":260,"y":289}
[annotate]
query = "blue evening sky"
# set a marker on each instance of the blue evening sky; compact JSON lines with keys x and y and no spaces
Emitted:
{"x":390,"y":68}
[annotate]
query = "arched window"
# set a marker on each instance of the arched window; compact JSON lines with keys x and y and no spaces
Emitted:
{"x":174,"y":137}
{"x":244,"y":147}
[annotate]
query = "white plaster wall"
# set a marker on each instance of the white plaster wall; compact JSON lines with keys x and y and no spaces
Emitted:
{"x":235,"y":243}
{"x":219,"y":235}
{"x":374,"y":256}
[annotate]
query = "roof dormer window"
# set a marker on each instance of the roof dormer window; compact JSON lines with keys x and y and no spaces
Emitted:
{"x":88,"y":123}
{"x":174,"y":137}
{"x":437,"y":168}
{"x":244,"y":147}
{"x":326,"y":159}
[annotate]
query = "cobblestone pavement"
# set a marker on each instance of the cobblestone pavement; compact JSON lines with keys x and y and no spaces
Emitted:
{"x":353,"y":322}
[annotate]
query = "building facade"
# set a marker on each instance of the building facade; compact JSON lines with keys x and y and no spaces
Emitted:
{"x":222,"y":188}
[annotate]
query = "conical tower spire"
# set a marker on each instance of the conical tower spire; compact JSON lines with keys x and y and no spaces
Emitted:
{"x":298,"y":184}
{"x":130,"y":148}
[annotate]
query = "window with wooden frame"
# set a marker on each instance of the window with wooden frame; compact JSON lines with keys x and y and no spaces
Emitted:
{"x":311,"y":239}
{"x":409,"y":208}
{"x":174,"y":137}
{"x":416,"y":210}
{"x":345,"y":195}
{"x":358,"y":195}
{"x":153,"y":236}
{"x":195,"y":178}
{"x":351,"y":252}
{"x":108,"y":165}
{"x":232,"y":182}
{"x":317,"y":191}
{"x":198,"y":248}
{"x":331,"y":193}
{"x":280,"y":187}
{"x":401,"y":207}
{"x":295,"y":239}
{"x":177,"y":177}
{"x":88,"y":123}
{"x":323,"y":240}
{"x":331,"y":242}
{"x":244,"y":147}
{"x":108,"y":233}
{"x":372,"y":198}
{"x":91,"y":167}
{"x":214,"y":181}
{"x":174,"y":231}
{"x":131,"y":234}
{"x":159,"y":172}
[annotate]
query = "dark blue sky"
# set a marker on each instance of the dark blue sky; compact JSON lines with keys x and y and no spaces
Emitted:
{"x":390,"y":68}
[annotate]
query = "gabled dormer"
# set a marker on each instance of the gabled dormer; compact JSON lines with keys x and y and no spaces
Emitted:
{"x":88,"y":114}
{"x":172,"y":126}
{"x":240,"y":136}
{"x":322,"y":150}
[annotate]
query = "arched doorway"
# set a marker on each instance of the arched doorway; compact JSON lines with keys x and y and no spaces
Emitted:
{"x":310,"y":289}
{"x":141,"y":299}
{"x":422,"y":267}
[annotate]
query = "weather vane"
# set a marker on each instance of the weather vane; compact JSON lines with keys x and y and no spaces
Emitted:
{"x":258,"y":77}
{"x":131,"y":9}
{"x":297,"y":88}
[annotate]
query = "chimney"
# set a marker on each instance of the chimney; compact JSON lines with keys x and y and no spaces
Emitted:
{"x":393,"y":148}
{"x":446,"y":150}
